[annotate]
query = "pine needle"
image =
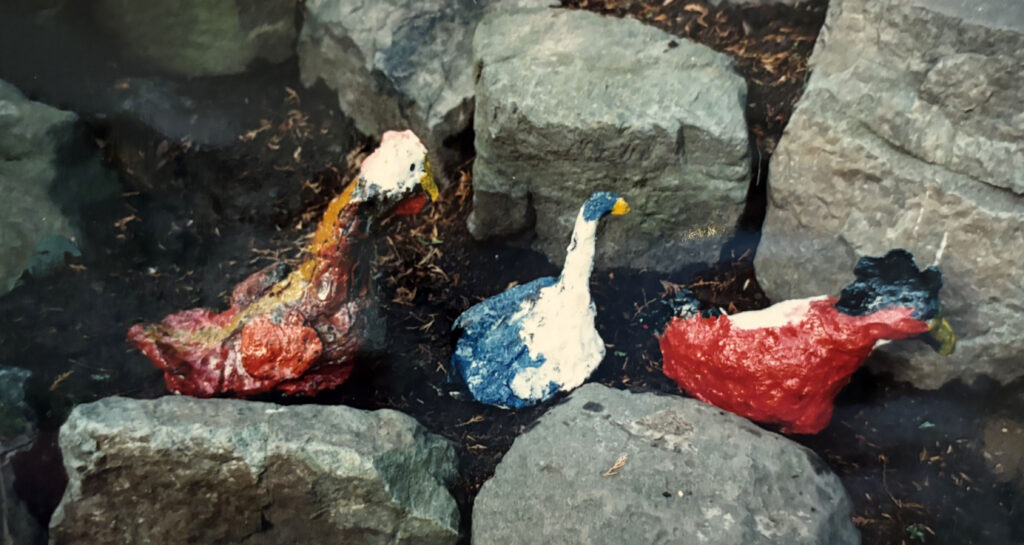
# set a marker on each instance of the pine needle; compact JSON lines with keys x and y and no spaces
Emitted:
{"x":619,"y":464}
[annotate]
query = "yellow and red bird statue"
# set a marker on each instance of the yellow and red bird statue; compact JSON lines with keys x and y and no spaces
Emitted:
{"x":299,"y":332}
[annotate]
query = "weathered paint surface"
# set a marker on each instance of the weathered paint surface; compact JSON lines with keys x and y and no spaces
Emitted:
{"x":296,"y":333}
{"x":786,"y":364}
{"x":270,"y":336}
{"x":788,"y":374}
{"x":490,"y":353}
{"x":522,"y":346}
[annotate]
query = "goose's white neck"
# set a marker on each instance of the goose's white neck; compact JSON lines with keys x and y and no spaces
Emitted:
{"x":579,"y":259}
{"x":559,"y":325}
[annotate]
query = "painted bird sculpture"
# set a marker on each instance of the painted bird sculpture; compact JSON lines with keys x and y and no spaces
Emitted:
{"x":522,"y":346}
{"x":785,"y":364}
{"x":296,"y":332}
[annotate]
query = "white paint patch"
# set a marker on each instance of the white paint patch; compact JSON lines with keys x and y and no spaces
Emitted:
{"x":560,"y":325}
{"x":920,"y":214}
{"x":942,"y":248}
{"x":394,"y":168}
{"x":777,"y":315}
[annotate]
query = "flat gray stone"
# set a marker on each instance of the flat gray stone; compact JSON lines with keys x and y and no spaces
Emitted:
{"x":201,"y":37}
{"x":910,"y":134}
{"x":398,"y":64}
{"x":48,"y":172}
{"x":690,"y":473}
{"x":570,"y":102}
{"x":187,"y":470}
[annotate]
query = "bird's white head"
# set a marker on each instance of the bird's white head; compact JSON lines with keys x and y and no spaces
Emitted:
{"x":395,"y":169}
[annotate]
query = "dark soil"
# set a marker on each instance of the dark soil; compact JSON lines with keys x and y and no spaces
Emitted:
{"x":195,"y":217}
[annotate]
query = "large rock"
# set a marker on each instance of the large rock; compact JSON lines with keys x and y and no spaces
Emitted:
{"x":686,"y":473}
{"x":186,"y":470}
{"x":572,"y":102}
{"x":911,"y":134}
{"x":398,"y":63}
{"x":17,"y":430}
{"x":47,"y":176}
{"x":201,"y":37}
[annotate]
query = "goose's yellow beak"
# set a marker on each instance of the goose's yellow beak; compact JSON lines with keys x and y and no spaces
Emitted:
{"x":943,"y":335}
{"x":620,"y":208}
{"x":427,"y":181}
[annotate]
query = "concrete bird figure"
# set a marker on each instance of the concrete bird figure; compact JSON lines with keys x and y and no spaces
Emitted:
{"x":785,"y":364}
{"x":296,"y":332}
{"x":522,"y":346}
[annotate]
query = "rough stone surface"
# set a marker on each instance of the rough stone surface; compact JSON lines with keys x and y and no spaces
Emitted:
{"x":17,"y":428}
{"x":46,"y":178}
{"x":753,"y":2}
{"x":911,"y":134}
{"x":16,"y":417}
{"x":201,"y":37}
{"x":185,"y":470}
{"x":691,"y":474}
{"x":569,"y":102}
{"x":1004,"y":448}
{"x":398,"y":63}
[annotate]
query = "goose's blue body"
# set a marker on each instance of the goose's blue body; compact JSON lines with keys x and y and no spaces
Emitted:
{"x":491,"y":332}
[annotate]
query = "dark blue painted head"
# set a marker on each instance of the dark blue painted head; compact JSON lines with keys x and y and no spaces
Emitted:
{"x":684,"y":304}
{"x":602,"y":203}
{"x":892,"y":281}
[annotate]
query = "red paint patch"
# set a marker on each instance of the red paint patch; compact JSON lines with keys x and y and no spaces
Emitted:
{"x":787,"y":375}
{"x":278,"y":352}
{"x":242,"y":352}
{"x":411,"y":206}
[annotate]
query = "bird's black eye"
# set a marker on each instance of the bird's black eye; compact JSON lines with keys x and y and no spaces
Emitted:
{"x":412,"y":167}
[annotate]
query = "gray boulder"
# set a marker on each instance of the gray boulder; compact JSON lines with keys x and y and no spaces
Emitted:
{"x":186,"y":470}
{"x":911,"y":134}
{"x":398,"y":63}
{"x":201,"y":37}
{"x":571,"y":102}
{"x":17,"y":431}
{"x":613,"y":467}
{"x":47,"y":174}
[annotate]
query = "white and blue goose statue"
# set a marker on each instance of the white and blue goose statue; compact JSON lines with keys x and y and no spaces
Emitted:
{"x":522,"y":346}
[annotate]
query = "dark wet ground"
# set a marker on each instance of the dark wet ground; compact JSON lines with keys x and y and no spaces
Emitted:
{"x":264,"y":155}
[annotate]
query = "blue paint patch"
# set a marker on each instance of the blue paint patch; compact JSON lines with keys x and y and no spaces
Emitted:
{"x":599,"y":205}
{"x":489,"y":353}
{"x":892,"y":281}
{"x":684,"y":304}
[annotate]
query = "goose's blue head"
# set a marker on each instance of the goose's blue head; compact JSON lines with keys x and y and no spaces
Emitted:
{"x":602,"y":203}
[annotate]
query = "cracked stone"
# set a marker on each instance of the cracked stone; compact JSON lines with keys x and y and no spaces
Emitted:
{"x":398,"y":64}
{"x":181,"y":469}
{"x":686,"y":472}
{"x":570,"y":102}
{"x":910,"y":134}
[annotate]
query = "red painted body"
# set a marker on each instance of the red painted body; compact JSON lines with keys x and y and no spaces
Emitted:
{"x":296,"y":335}
{"x":787,"y":375}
